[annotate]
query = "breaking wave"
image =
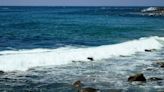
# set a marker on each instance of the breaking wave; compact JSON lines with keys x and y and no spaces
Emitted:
{"x":25,"y":59}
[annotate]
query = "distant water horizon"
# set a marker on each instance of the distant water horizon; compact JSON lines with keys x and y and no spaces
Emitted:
{"x":71,"y":6}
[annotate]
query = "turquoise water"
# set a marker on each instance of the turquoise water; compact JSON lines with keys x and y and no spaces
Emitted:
{"x":51,"y":27}
{"x":38,"y":45}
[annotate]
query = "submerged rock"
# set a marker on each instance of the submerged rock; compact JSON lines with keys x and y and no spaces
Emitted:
{"x":124,"y":56}
{"x":155,"y":79}
{"x":115,"y":90}
{"x":89,"y":89}
{"x":77,"y":61}
{"x":137,"y":77}
{"x":151,"y":69}
{"x":161,"y":64}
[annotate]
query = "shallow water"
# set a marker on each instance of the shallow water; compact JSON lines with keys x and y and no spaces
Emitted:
{"x":106,"y":75}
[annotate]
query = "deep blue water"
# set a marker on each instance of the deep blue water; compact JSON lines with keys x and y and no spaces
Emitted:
{"x":51,"y":27}
{"x":38,"y":45}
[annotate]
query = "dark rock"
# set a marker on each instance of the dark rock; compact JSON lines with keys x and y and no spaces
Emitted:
{"x":89,"y":89}
{"x":155,"y":79}
{"x":90,"y":58}
{"x":162,"y":66}
{"x":137,"y":77}
{"x":149,"y":50}
{"x":77,"y":84}
{"x":2,"y":72}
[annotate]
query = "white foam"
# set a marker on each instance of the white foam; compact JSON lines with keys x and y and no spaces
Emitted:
{"x":25,"y":59}
{"x":149,"y":9}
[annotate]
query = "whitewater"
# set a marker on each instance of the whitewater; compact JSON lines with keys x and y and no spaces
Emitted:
{"x":25,"y":59}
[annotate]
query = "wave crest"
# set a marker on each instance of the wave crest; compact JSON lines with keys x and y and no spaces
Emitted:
{"x":25,"y":59}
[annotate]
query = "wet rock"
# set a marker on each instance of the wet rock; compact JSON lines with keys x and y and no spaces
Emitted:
{"x":162,"y":66}
{"x":2,"y":72}
{"x":77,"y":84}
{"x":89,"y":89}
{"x":155,"y":79}
{"x":90,"y":58}
{"x":137,"y":77}
{"x":149,"y":50}
{"x":124,"y":56}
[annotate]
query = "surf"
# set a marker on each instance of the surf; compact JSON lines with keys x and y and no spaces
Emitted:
{"x":25,"y":59}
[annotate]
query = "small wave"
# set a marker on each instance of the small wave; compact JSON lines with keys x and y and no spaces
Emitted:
{"x":25,"y":59}
{"x":5,"y":8}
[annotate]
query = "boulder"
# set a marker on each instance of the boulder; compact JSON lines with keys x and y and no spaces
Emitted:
{"x":137,"y":77}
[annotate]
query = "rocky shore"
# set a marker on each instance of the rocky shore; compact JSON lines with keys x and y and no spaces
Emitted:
{"x":146,"y":77}
{"x":139,"y":77}
{"x":135,"y":78}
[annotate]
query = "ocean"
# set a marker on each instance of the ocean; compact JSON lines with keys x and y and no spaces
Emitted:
{"x":46,"y":49}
